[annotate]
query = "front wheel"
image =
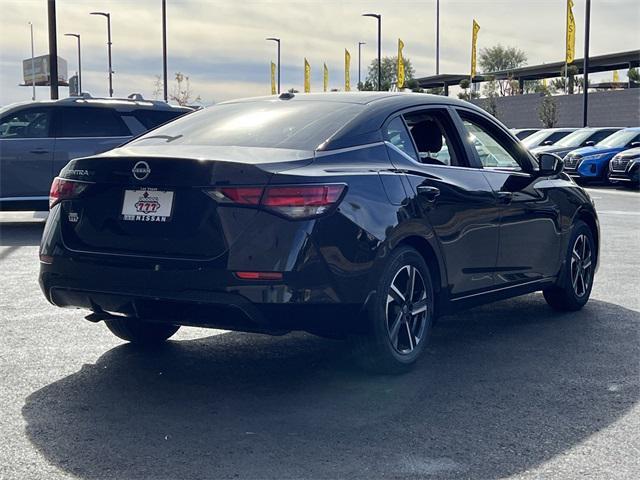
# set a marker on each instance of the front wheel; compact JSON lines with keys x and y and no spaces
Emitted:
{"x":400,"y":316}
{"x":574,"y":288}
{"x":140,"y":332}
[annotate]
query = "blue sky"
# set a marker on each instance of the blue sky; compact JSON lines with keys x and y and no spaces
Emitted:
{"x":221,"y":46}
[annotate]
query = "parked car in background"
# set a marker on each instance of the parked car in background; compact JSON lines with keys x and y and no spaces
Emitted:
{"x":336,"y":214}
{"x":37,"y":139}
{"x":522,"y":133}
{"x":548,"y":136}
{"x":584,"y":137}
{"x":591,"y":163}
{"x":625,"y":167}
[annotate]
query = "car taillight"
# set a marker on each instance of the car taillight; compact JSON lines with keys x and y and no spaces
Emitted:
{"x":293,"y":201}
{"x":63,"y":189}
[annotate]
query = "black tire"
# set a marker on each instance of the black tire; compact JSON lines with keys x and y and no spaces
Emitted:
{"x":377,"y":351}
{"x":576,"y":279}
{"x":139,"y":332}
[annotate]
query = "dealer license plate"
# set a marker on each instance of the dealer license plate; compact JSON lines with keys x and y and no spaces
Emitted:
{"x":147,"y":205}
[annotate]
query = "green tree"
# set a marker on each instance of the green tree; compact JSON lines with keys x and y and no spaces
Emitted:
{"x":548,"y":113}
{"x":467,"y":94}
{"x":498,"y":59}
{"x":634,"y":75}
{"x":389,"y":78}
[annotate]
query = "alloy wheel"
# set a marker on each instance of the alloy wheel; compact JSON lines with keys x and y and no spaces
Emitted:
{"x":407,"y":309}
{"x":581,"y":265}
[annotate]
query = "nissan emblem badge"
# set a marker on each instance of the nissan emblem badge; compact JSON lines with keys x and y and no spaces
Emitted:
{"x":141,"y":170}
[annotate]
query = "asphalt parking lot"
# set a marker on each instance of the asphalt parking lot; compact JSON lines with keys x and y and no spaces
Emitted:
{"x":509,"y":390}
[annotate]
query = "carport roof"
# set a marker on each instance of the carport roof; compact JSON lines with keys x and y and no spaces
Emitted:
{"x":600,"y":63}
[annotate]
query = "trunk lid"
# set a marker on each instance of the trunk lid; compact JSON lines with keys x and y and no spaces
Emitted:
{"x":152,"y":201}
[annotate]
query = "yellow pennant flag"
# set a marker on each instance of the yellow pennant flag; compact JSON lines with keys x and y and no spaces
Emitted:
{"x":273,"y":78}
{"x":307,"y":76}
{"x":400,"y":71}
{"x":616,"y":76}
{"x":571,"y":34}
{"x":325,"y":78}
{"x":474,"y":43}
{"x":347,"y":69}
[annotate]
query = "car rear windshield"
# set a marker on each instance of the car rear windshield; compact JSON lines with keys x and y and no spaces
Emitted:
{"x":299,"y":125}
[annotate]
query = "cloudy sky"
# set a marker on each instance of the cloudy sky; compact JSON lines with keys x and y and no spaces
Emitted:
{"x":220,"y":44}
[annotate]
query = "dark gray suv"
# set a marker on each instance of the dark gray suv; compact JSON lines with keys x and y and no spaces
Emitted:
{"x":37,"y":139}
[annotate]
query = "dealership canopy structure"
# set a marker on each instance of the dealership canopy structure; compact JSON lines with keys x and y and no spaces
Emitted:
{"x":601,"y":63}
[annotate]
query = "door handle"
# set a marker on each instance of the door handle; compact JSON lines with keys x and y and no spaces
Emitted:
{"x":429,"y":192}
{"x":39,"y":151}
{"x":505,"y":197}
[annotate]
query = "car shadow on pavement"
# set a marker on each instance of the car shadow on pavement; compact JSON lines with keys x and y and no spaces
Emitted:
{"x":20,"y":234}
{"x":502,"y":389}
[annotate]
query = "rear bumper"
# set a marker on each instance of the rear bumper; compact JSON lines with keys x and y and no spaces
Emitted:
{"x":205,"y":298}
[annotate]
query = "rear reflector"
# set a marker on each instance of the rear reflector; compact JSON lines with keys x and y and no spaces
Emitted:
{"x":259,"y":275}
{"x":293,"y":201}
{"x":46,"y":259}
{"x":63,"y":189}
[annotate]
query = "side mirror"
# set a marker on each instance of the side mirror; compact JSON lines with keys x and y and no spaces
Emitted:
{"x":634,"y":145}
{"x":550,"y":164}
{"x":590,"y":143}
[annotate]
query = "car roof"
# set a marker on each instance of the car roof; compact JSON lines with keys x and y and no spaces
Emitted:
{"x":363,"y":98}
{"x":118,"y":103}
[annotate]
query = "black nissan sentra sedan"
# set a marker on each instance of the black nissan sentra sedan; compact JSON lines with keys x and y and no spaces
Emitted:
{"x":357,"y":215}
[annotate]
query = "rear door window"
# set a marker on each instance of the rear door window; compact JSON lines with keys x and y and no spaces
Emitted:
{"x":73,"y":122}
{"x":435,"y":137}
{"x":26,"y":123}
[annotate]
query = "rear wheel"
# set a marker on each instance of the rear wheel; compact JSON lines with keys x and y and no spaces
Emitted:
{"x":140,"y":332}
{"x":400,"y":317}
{"x":574,"y":287}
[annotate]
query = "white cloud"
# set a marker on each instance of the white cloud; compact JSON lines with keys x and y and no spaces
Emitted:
{"x":221,"y":45}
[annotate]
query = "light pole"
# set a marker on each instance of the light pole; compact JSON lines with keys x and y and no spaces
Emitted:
{"x":53,"y":49}
{"x":437,"y":37}
{"x":379,"y":18}
{"x":359,"y":63}
{"x":585,"y":76}
{"x":108,"y":17}
{"x":79,"y":61}
{"x":277,"y":40}
{"x":164,"y":50}
{"x":33,"y":66}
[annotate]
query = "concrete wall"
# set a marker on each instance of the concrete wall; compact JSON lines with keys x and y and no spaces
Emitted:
{"x":614,"y":108}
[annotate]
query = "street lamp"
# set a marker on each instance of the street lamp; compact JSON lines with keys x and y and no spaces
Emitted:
{"x":379,"y":18}
{"x":79,"y":61}
{"x":164,"y":50}
{"x":33,"y":66}
{"x":359,"y":63}
{"x":437,"y":37}
{"x":277,"y":40}
{"x":108,"y":17}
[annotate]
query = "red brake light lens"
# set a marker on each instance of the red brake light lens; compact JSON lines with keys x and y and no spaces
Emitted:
{"x":259,"y":275}
{"x":241,"y":195}
{"x":297,"y":201}
{"x":63,"y":189}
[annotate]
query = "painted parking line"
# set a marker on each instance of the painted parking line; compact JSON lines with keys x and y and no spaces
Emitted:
{"x":618,"y":212}
{"x":604,"y":191}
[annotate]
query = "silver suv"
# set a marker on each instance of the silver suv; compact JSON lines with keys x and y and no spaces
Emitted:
{"x":37,"y":139}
